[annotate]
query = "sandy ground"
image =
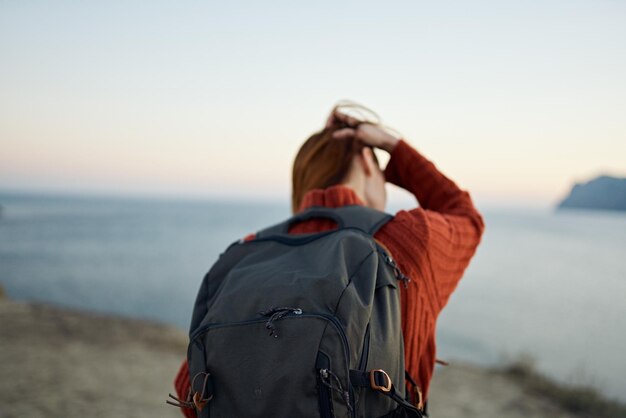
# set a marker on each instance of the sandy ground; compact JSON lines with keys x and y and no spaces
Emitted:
{"x":62,"y":363}
{"x":462,"y":390}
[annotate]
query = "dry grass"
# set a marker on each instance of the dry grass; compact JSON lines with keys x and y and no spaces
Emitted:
{"x":584,"y":401}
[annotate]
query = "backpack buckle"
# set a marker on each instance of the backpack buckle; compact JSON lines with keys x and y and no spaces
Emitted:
{"x":376,"y":375}
{"x":200,"y":399}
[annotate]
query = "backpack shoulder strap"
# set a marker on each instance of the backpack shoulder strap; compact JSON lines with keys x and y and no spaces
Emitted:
{"x":360,"y":217}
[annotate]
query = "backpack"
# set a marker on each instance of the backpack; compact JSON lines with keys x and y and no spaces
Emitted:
{"x":301,"y":325}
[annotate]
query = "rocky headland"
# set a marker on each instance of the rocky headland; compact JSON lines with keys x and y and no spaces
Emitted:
{"x":603,"y":192}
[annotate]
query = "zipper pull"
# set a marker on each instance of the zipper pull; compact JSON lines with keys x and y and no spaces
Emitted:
{"x":396,"y":271}
{"x":276,"y":313}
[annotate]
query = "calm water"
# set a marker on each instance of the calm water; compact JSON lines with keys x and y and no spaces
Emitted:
{"x":549,"y":284}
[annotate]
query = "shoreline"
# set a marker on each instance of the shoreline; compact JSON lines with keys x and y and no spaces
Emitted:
{"x":105,"y":366}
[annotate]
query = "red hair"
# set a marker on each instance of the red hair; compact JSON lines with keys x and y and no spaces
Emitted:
{"x":322,"y":161}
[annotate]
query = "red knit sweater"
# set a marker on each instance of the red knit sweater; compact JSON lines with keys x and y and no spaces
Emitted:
{"x":432,"y":244}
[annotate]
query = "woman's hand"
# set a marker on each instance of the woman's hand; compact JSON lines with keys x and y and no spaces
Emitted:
{"x":366,"y":132}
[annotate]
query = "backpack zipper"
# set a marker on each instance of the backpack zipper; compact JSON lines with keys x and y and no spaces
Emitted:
{"x":276,"y":313}
{"x":396,"y":270}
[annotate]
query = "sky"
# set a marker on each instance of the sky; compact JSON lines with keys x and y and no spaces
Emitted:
{"x":514,"y":101}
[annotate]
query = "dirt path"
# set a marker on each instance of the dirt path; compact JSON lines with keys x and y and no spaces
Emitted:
{"x":62,"y":363}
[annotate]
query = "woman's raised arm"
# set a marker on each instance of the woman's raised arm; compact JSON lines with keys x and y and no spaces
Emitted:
{"x":447,"y":222}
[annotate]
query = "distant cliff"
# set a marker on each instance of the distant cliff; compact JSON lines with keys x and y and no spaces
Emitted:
{"x":603,"y":192}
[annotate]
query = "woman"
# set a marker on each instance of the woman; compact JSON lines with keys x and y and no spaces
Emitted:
{"x":432,"y":244}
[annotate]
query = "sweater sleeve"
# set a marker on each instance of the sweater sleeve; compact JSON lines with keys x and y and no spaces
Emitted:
{"x":450,"y":224}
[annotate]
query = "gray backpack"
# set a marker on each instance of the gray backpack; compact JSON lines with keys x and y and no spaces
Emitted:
{"x":301,"y":325}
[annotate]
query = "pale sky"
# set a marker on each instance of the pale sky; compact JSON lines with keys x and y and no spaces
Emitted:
{"x":513,"y":100}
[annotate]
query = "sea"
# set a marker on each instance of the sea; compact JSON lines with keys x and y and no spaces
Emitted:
{"x":545,"y":286}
